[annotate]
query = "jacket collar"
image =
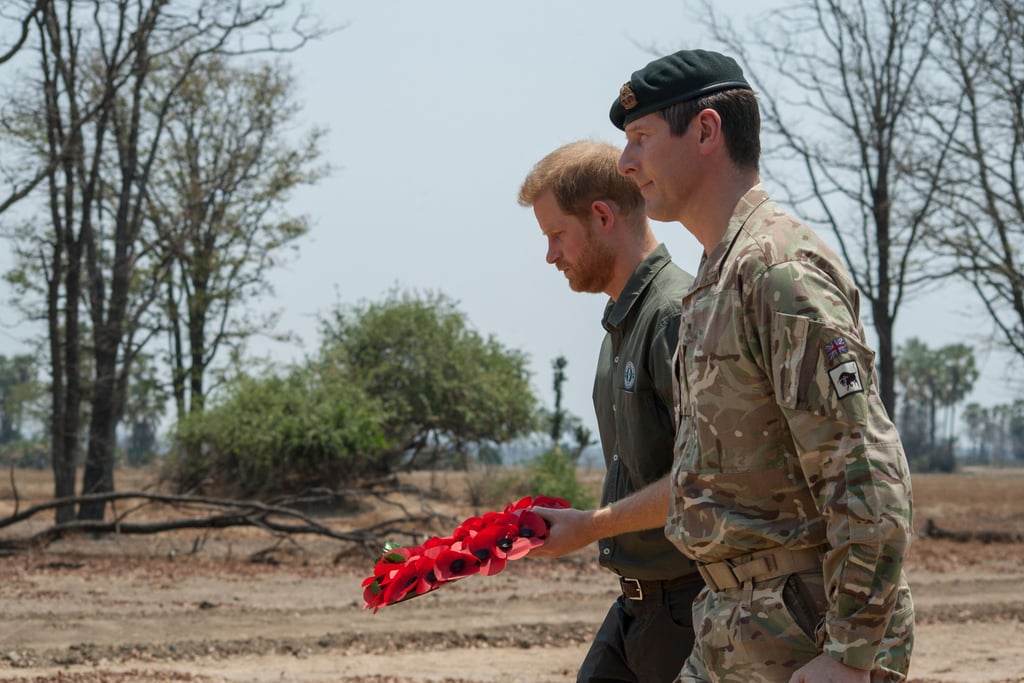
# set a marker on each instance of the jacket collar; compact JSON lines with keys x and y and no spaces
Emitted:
{"x":711,"y":264}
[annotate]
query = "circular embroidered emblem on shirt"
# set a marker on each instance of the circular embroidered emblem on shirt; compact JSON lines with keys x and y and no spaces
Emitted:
{"x":629,"y":376}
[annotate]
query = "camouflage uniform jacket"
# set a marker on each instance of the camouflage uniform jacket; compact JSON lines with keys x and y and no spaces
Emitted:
{"x":782,"y":438}
{"x":634,"y":406}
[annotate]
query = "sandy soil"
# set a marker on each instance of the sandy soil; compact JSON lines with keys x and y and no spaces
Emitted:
{"x":180,"y":608}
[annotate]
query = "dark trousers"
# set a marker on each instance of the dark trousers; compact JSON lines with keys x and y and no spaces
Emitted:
{"x":643,"y":641}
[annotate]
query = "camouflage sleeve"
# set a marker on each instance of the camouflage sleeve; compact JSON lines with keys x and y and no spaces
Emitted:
{"x":850,"y":455}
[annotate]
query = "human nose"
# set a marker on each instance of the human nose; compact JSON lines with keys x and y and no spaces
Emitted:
{"x":627,"y":161}
{"x":553,"y":251}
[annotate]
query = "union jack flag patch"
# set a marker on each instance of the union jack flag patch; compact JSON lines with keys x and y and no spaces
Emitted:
{"x":835,"y":347}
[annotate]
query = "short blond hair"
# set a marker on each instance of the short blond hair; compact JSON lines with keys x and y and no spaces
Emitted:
{"x":580,"y":173}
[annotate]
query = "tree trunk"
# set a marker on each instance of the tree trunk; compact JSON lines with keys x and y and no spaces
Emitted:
{"x":197,"y":351}
{"x":177,"y":351}
{"x":62,"y":449}
{"x":66,"y":276}
{"x":886,"y":357}
{"x":98,"y":476}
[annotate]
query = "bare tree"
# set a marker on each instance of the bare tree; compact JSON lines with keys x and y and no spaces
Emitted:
{"x":108,"y":72}
{"x":981,"y":61}
{"x":24,"y":16}
{"x":227,"y":168}
{"x":837,"y":81}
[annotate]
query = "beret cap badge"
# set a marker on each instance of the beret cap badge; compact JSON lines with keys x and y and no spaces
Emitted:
{"x":626,"y":97}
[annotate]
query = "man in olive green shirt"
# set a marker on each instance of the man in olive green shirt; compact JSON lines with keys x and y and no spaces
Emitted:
{"x":599,"y":237}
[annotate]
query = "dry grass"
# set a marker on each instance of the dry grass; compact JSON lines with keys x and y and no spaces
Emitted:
{"x":974,"y":495}
{"x":977,"y":499}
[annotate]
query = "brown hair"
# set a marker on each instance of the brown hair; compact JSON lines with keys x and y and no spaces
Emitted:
{"x":580,"y":173}
{"x":741,"y":122}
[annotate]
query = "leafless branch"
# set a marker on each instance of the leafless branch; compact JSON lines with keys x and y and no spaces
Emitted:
{"x":25,"y":25}
{"x":204,"y":512}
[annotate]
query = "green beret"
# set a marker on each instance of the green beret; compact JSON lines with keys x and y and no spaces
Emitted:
{"x":685,"y":75}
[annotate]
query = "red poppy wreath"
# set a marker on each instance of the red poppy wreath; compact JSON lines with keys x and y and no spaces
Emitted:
{"x":480,"y":545}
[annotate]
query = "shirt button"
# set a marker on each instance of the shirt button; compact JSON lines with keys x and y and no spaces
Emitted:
{"x":616,"y":360}
{"x":615,"y":457}
{"x":615,"y":408}
{"x":606,"y":551}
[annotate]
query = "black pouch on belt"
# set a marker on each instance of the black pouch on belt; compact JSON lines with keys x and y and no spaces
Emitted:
{"x":800,"y":602}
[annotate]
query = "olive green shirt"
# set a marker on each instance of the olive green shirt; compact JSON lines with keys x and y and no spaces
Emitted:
{"x":634,"y":405}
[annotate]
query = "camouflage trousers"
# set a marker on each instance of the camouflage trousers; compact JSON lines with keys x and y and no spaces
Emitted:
{"x":763,"y":633}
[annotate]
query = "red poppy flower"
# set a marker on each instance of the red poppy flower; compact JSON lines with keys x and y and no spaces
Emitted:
{"x":453,"y":564}
{"x":437,"y":542}
{"x":373,"y":594}
{"x":481,"y":545}
{"x":549,"y":502}
{"x":490,"y":546}
{"x":532,"y":525}
{"x":409,"y":577}
{"x":498,"y":518}
{"x":522,"y":504}
{"x":468,"y":528}
{"x":394,"y":554}
{"x":532,"y":532}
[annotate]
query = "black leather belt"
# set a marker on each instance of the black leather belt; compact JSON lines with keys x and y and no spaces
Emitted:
{"x":636,"y":589}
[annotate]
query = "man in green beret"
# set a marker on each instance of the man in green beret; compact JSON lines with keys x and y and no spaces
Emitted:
{"x":598,"y":235}
{"x":790,"y":487}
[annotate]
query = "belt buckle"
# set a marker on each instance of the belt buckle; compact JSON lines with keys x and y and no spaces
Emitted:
{"x":639,"y":591}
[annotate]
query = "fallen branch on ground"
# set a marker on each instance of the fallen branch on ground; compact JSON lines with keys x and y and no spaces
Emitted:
{"x":932,"y":530}
{"x":214,"y":513}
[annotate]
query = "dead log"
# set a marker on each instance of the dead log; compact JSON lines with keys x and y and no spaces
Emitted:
{"x":933,"y":530}
{"x":203,"y":512}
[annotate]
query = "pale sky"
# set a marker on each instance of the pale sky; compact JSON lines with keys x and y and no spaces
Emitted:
{"x":436,"y":112}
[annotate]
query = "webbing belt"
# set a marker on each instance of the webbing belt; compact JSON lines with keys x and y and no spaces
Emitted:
{"x":764,"y":564}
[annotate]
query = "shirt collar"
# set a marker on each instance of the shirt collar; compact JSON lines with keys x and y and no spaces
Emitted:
{"x":616,"y":310}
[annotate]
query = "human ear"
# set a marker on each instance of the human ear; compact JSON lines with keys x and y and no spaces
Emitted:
{"x":602,"y":211}
{"x":709,"y":126}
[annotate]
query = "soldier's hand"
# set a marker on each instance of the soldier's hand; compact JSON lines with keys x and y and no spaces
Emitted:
{"x":824,"y":669}
{"x":569,"y":529}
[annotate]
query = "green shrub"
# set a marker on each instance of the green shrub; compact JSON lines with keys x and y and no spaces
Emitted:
{"x":494,"y":487}
{"x":553,"y":474}
{"x":438,"y":379}
{"x":279,"y":435}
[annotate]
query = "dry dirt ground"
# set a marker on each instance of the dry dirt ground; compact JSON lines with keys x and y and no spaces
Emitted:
{"x":192,"y":607}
